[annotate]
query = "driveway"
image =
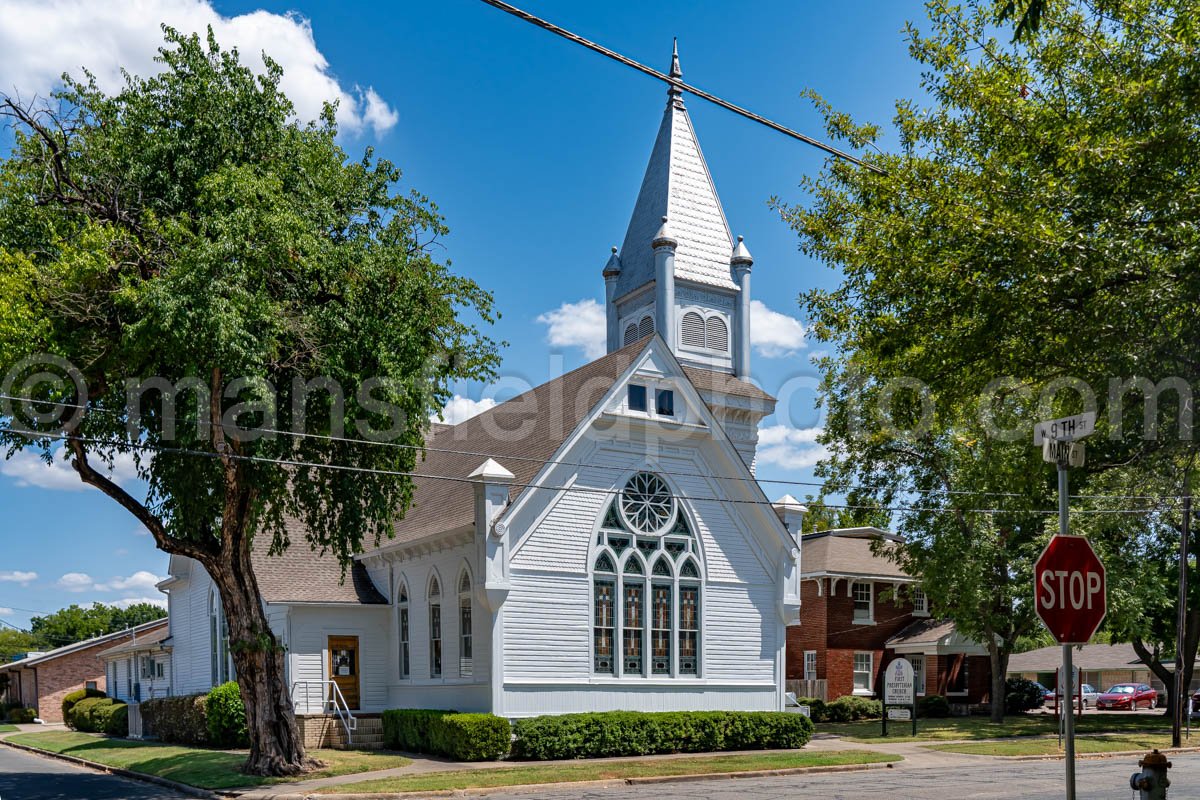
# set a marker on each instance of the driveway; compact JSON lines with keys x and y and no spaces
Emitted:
{"x":24,"y":776}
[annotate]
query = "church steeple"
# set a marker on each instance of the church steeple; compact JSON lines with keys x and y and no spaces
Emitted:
{"x":689,"y":281}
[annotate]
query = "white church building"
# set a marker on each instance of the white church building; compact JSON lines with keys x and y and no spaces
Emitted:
{"x":604,"y":546}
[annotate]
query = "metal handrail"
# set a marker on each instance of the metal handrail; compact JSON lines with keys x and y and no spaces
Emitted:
{"x":334,"y":699}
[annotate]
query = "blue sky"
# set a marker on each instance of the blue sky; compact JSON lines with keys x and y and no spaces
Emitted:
{"x":533,"y":149}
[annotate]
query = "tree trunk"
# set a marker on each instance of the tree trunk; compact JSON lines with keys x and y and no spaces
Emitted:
{"x":998,"y":658}
{"x":276,"y":747}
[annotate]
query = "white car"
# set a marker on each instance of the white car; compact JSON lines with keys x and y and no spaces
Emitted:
{"x":1089,"y":695}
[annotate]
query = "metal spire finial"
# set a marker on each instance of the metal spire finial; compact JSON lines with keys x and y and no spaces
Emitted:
{"x":674,"y":92}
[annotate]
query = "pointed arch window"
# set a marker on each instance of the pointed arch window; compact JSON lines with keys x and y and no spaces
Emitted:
{"x":220,"y":661}
{"x":435,"y":628}
{"x":466,"y":665}
{"x":646,"y":585}
{"x":402,"y":625}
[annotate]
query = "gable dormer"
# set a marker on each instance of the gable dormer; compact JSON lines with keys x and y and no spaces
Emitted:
{"x":679,"y":272}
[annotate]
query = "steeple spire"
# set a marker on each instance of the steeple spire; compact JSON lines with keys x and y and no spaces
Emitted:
{"x":674,"y":93}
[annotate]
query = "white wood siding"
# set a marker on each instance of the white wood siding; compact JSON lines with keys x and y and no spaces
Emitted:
{"x":311,"y":628}
{"x":191,"y":664}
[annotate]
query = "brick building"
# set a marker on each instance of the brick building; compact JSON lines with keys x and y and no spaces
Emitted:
{"x":858,"y":611}
{"x":41,"y":680}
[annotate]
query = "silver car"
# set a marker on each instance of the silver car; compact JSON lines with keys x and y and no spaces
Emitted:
{"x":1088,"y":695}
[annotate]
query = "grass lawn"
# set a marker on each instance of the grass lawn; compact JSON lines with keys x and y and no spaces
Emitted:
{"x":979,"y":727}
{"x":196,"y":766}
{"x":5,"y":728}
{"x":1044,"y":747}
{"x":608,"y":770}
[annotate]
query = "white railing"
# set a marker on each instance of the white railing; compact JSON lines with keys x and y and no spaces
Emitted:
{"x":331,"y":700}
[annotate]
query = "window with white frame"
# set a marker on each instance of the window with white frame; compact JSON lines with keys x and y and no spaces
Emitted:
{"x":863,"y":672}
{"x":810,"y":665}
{"x":435,"y":628}
{"x":920,"y":603}
{"x":918,"y":665}
{"x":646,"y":586}
{"x":864,"y":602}
{"x":466,"y":666}
{"x":220,"y":661}
{"x":402,"y":622}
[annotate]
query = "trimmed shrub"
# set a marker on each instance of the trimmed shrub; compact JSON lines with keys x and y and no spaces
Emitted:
{"x":463,"y":737}
{"x":934,"y":706}
{"x":816,"y":708}
{"x":1021,"y":695}
{"x":100,"y":715}
{"x":227,"y":717}
{"x":633,"y":733}
{"x":177,"y":720}
{"x":72,"y":698}
{"x":22,"y":716}
{"x":850,"y":709}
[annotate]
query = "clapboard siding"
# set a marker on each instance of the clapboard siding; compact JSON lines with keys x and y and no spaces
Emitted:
{"x":546,"y":626}
{"x":191,"y":662}
{"x":740,"y":631}
{"x":311,"y":628}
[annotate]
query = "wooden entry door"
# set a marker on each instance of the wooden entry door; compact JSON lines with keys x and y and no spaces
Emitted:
{"x":343,"y":667}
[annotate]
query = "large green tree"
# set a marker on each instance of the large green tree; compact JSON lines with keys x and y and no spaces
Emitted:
{"x":1031,"y":246}
{"x":76,"y":623}
{"x":213,"y":270}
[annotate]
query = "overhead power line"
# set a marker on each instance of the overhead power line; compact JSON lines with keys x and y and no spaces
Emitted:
{"x":614,"y":468}
{"x":287,"y":462}
{"x":676,"y":82}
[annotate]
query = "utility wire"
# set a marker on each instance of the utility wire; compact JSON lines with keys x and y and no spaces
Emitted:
{"x":677,"y":83}
{"x":589,"y":465}
{"x":530,"y":485}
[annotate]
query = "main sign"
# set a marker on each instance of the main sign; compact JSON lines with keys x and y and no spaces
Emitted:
{"x":898,"y":683}
{"x":1069,"y":589}
{"x":1065,"y":429}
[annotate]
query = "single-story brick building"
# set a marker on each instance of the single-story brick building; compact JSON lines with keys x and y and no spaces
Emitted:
{"x":41,"y":680}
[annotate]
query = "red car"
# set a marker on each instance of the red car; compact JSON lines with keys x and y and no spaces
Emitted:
{"x":1130,"y":696}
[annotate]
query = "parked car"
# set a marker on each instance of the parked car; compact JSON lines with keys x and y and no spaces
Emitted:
{"x":1131,"y":696}
{"x":1046,"y":693}
{"x":1088,"y":695}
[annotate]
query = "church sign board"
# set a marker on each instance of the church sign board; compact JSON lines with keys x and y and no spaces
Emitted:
{"x":899,"y":690}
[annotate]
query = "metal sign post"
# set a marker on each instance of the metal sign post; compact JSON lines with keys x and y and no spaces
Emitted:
{"x":1070,"y":599}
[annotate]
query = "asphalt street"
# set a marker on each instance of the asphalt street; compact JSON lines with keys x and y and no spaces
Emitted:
{"x":24,"y":776}
{"x":995,"y":780}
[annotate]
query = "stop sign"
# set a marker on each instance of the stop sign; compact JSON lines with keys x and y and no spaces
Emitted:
{"x":1069,"y":589}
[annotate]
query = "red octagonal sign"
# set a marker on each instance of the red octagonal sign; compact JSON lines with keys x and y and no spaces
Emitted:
{"x":1069,"y":589}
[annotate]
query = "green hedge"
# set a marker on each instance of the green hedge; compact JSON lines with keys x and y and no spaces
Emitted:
{"x":22,"y":716}
{"x":817,"y":710}
{"x":635,"y":733}
{"x":462,"y":737}
{"x":72,"y":698}
{"x":100,"y":715}
{"x":933,"y":706}
{"x":227,"y":717}
{"x":1021,"y":695}
{"x":850,"y":709}
{"x":177,"y":720}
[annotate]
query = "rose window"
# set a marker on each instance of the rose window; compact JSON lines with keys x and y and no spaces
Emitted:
{"x":646,"y":504}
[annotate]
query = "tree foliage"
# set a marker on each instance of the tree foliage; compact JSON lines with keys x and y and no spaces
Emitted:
{"x":212,"y":267}
{"x":1034,"y":235}
{"x":76,"y":623}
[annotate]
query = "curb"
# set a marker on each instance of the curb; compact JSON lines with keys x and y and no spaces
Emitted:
{"x":476,"y":792}
{"x":183,"y":788}
{"x":1097,"y":756}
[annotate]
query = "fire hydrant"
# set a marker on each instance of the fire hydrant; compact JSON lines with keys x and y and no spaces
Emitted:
{"x":1152,"y":782}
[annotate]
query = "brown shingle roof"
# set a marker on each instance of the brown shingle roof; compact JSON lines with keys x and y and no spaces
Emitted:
{"x":1089,"y":657}
{"x":301,"y":575}
{"x":923,"y":631}
{"x":706,"y":380}
{"x":847,"y":552}
{"x":139,"y":642}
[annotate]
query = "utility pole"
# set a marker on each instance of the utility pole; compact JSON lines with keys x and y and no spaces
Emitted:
{"x":1181,"y":689}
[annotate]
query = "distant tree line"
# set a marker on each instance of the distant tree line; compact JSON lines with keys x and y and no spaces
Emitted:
{"x":74,"y":624}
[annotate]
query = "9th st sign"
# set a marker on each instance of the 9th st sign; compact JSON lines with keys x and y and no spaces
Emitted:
{"x":1070,"y":590}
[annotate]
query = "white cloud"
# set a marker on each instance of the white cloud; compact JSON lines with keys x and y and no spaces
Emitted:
{"x":579,"y":325}
{"x":28,"y":469}
{"x":790,"y":448}
{"x":138,"y":581}
{"x":774,"y":335}
{"x":461,"y":409}
{"x":5,"y":612}
{"x":17,"y":576}
{"x":41,"y":39}
{"x":75,"y":582}
{"x":126,"y":602}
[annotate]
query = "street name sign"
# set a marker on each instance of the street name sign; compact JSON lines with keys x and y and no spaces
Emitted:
{"x":1070,"y":590}
{"x":1065,"y":429}
{"x":898,"y":683}
{"x":1067,"y":454}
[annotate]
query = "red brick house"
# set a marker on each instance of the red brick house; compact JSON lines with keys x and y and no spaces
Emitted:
{"x":859,"y":611}
{"x":41,"y":680}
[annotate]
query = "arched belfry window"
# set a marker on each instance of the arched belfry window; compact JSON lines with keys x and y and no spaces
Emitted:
{"x":704,"y":331}
{"x":646,"y":579}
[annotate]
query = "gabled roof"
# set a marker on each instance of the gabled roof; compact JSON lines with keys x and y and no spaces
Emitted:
{"x":66,"y":650}
{"x":677,"y":185}
{"x":149,"y":640}
{"x":521,"y":434}
{"x":847,"y":552}
{"x":302,"y":575}
{"x":1088,"y":657}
